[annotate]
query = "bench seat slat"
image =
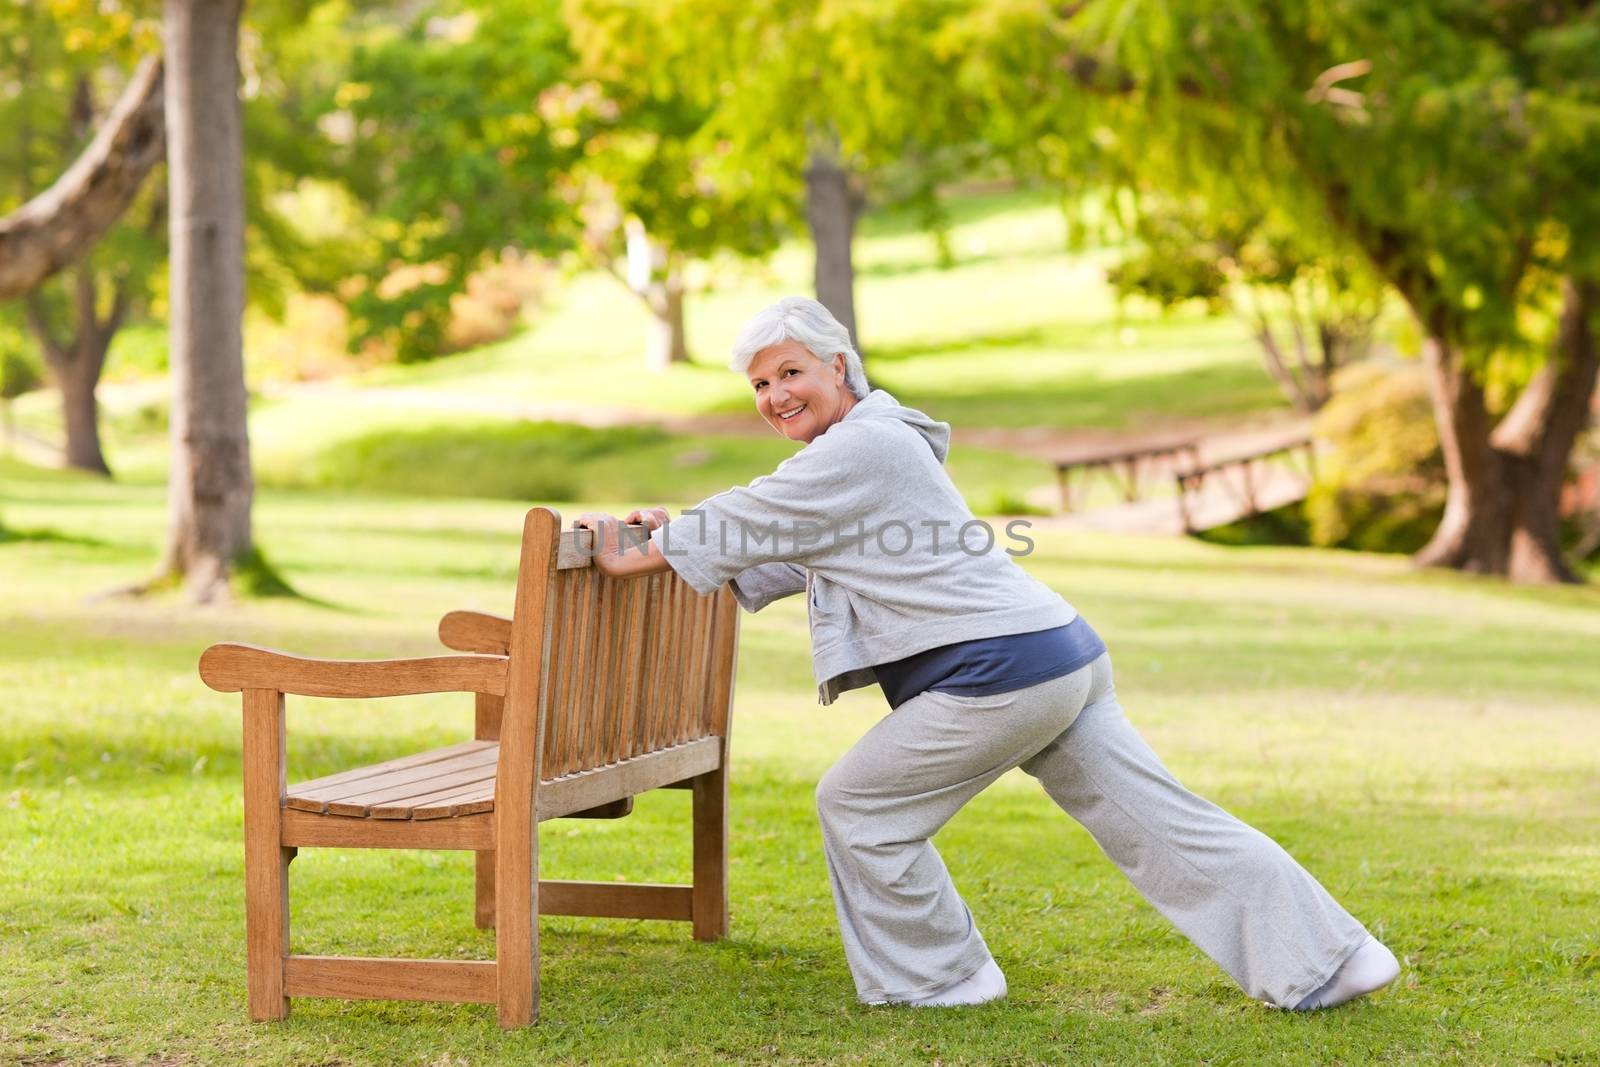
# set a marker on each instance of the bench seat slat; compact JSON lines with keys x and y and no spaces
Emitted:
{"x":336,"y":797}
{"x":463,"y":798}
{"x":362,"y":803}
{"x":372,"y":769}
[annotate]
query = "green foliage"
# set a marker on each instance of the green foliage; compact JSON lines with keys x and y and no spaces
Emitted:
{"x":1271,"y":273}
{"x":63,"y":63}
{"x":440,"y":135}
{"x":1448,"y":142}
{"x":779,"y":80}
{"x":1172,"y":266}
{"x":1380,"y":483}
{"x":1193,"y":250}
{"x":20,"y":370}
{"x":647,"y":153}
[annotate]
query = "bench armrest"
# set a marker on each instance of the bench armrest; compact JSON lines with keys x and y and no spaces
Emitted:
{"x":476,"y":631}
{"x":232,"y":668}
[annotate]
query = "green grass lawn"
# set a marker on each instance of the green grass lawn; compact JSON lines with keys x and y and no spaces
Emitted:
{"x":1427,"y":745}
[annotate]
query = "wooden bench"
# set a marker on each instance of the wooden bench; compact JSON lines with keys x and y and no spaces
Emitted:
{"x":596,"y":690}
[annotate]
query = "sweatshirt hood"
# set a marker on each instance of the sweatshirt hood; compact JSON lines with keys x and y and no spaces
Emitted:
{"x":880,"y":405}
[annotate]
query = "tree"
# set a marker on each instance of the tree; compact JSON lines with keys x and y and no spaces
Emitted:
{"x":436,"y":131}
{"x":1451,"y":144}
{"x":64,"y":60}
{"x":1318,"y":306}
{"x":210,"y":486}
{"x":814,"y":106}
{"x":653,"y":194}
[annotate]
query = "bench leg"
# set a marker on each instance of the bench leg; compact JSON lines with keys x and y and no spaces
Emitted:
{"x":516,"y":934}
{"x":483,"y":892}
{"x":266,"y":860}
{"x":710,"y":899}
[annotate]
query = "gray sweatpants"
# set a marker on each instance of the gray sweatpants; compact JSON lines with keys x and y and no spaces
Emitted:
{"x":906,"y":932}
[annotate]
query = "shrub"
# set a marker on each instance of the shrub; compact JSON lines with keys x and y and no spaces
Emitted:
{"x":1380,"y":482}
{"x":19,"y":372}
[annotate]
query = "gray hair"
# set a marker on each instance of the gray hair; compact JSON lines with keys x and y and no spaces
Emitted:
{"x":799,"y":318}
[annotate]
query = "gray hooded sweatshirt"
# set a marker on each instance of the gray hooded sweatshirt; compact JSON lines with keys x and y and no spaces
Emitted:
{"x":867,"y":522}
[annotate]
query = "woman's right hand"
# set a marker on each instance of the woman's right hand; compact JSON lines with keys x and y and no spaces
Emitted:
{"x":653,"y":518}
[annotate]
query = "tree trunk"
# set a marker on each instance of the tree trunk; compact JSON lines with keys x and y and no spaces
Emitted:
{"x":77,"y":361}
{"x":55,"y":228}
{"x":833,"y":203}
{"x":1502,"y":508}
{"x":668,"y":343}
{"x":1279,"y":370}
{"x":210,"y":487}
{"x":1474,"y":533}
{"x":82,"y":410}
{"x":655,"y":274}
{"x":1538,"y":435}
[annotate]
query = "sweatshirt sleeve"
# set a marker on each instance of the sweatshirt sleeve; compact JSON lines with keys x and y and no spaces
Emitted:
{"x":788,"y":516}
{"x":756,"y":587}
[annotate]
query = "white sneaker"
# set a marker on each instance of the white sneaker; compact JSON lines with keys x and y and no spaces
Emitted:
{"x":1369,"y":968}
{"x":988,"y":983}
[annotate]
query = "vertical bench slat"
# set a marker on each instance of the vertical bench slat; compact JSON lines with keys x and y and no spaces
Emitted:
{"x":685,"y":668}
{"x":661,"y":691}
{"x":551,"y":756}
{"x":583,"y":605}
{"x":672,"y":665}
{"x":683,"y":707}
{"x":705,"y":631}
{"x":583,"y":664}
{"x":559,"y":667}
{"x":655,"y":647}
{"x":599,"y":648}
{"x":707,"y":650}
{"x":680,"y":707}
{"x":570,"y":653}
{"x":694,"y":701}
{"x":617,"y":715}
{"x":599,"y":675}
{"x":722,"y":679}
{"x":635,"y":625}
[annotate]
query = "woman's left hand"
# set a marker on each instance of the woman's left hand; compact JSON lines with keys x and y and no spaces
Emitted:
{"x":606,"y":529}
{"x":609,"y":555}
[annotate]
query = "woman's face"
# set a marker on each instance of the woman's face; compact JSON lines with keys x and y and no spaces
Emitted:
{"x":799,"y":395}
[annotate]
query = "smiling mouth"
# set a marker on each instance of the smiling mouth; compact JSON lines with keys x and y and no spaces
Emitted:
{"x":786,"y":416}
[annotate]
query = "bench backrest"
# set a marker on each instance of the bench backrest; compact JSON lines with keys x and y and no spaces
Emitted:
{"x":606,"y":669}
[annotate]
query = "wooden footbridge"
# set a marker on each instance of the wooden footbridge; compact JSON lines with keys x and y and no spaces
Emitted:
{"x":1185,"y":483}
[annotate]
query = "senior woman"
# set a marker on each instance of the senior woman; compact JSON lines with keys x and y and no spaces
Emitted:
{"x":985,"y":669}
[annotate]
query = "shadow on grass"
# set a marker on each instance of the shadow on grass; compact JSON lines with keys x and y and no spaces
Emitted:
{"x":47,"y":536}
